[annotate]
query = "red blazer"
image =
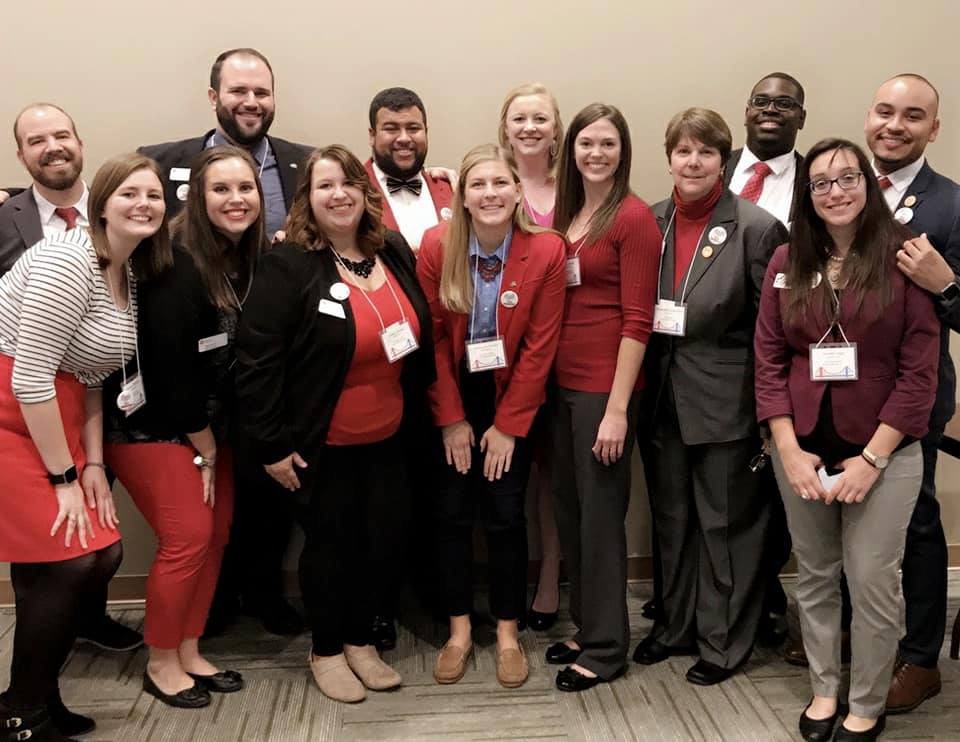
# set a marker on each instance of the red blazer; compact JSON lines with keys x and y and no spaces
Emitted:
{"x":897,"y":357}
{"x":531,"y":329}
{"x":440,"y":192}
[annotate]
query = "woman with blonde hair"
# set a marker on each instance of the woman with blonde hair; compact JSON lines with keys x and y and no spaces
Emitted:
{"x":495,"y":285}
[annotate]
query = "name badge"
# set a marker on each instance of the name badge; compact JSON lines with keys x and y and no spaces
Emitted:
{"x":486,"y":355}
{"x":331,"y":308}
{"x":827,"y":480}
{"x":780,"y":281}
{"x":833,"y":362}
{"x":212,"y":342}
{"x":573,"y":271}
{"x":398,"y":340}
{"x":179,"y":173}
{"x":132,"y":395}
{"x":669,"y":318}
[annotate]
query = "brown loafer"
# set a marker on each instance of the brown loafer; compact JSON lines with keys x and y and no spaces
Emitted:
{"x":910,"y":686}
{"x":451,"y":663}
{"x":512,"y":668}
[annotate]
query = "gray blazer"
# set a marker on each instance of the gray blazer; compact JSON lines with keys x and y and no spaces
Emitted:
{"x":20,"y":228}
{"x":710,"y":369}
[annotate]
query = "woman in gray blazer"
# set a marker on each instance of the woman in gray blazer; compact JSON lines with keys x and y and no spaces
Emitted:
{"x":709,"y":514}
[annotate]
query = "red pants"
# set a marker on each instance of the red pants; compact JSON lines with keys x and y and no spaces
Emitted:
{"x":167,"y":488}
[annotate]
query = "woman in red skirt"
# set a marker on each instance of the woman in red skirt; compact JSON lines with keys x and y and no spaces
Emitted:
{"x":68,"y":311}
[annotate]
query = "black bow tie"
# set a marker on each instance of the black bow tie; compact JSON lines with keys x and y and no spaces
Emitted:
{"x":414,"y":185}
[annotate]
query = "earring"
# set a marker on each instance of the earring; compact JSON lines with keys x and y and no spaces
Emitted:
{"x":554,"y":149}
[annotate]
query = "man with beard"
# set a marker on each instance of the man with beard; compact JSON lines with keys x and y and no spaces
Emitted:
{"x":52,"y":153}
{"x":398,"y":138}
{"x":241,"y":94}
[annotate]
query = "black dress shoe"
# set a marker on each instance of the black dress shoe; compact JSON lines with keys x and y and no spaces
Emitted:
{"x":649,"y":651}
{"x":650,"y":609}
{"x":817,"y":730}
{"x":561,"y":654}
{"x":191,"y":698}
{"x":383,"y":633}
{"x":707,"y":673}
{"x":842,"y":734}
{"x":541,"y":621}
{"x":110,"y":635}
{"x":572,"y":681}
{"x":66,"y":721}
{"x":772,"y":630}
{"x":228,"y":681}
{"x":277,"y":616}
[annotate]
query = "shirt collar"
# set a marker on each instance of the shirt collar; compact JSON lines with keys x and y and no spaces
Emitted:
{"x":901,"y":179}
{"x":778,"y":165}
{"x":45,"y":208}
{"x":382,"y":176}
{"x":258,"y":150}
{"x":501,"y":251}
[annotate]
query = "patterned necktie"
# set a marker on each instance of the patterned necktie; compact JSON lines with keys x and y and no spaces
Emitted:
{"x":884,"y":182}
{"x":414,"y":185}
{"x":69,"y":214}
{"x":488,"y":268}
{"x":754,"y":187}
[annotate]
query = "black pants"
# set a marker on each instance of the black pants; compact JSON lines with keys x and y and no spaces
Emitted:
{"x":354,"y":525}
{"x":461,"y":498}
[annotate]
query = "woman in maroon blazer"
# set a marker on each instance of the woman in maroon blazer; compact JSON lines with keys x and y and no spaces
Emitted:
{"x":495,"y":284}
{"x":846,"y":369}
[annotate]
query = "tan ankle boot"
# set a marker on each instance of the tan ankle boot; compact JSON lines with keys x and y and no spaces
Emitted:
{"x":335,"y":679}
{"x":372,"y":671}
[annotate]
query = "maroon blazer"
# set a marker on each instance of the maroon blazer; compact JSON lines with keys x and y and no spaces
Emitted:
{"x":440,"y":192}
{"x":897,"y":354}
{"x":531,"y":329}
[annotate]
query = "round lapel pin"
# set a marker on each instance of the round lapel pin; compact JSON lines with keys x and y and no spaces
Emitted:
{"x":904,"y":215}
{"x":509,"y":299}
{"x":339,"y":291}
{"x":910,"y":200}
{"x":446,"y":214}
{"x":707,"y":252}
{"x":182,"y":190}
{"x":717,"y":236}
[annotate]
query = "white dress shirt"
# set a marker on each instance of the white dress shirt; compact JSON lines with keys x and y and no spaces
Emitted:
{"x":52,"y":223}
{"x":900,"y":181}
{"x":777,"y":194}
{"x":414,"y":214}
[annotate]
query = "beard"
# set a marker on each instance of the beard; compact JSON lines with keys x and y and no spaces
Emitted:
{"x":62,"y":180}
{"x":387,"y":164}
{"x":231,"y":129}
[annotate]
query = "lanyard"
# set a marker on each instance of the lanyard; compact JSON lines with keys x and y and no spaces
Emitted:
{"x":233,"y":292}
{"x":836,"y":321}
{"x":116,"y":311}
{"x":473,"y":309}
{"x":403,"y":316}
{"x":663,"y":249}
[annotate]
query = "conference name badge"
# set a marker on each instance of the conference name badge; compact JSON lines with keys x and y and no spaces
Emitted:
{"x":398,"y":340}
{"x":212,"y":342}
{"x":573,"y":271}
{"x":132,"y":395}
{"x":670,"y":318}
{"x":833,"y":362}
{"x":486,"y":355}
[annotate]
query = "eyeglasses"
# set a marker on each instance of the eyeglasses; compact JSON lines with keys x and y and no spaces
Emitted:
{"x":823,"y":186}
{"x":783,"y":103}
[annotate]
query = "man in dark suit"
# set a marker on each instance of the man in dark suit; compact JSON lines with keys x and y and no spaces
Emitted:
{"x":241,"y":95}
{"x":52,"y":153}
{"x":900,"y":124}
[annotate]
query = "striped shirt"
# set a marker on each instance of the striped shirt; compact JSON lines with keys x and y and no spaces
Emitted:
{"x":56,"y":314}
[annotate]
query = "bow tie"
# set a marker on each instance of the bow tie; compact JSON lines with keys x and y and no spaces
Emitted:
{"x":487,"y":268}
{"x":414,"y":185}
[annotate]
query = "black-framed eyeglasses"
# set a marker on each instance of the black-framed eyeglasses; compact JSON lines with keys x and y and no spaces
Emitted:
{"x":847,"y":182}
{"x":781,"y":103}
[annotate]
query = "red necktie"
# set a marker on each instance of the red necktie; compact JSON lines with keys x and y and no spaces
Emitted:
{"x":754,"y":187}
{"x":69,"y":214}
{"x":884,"y":182}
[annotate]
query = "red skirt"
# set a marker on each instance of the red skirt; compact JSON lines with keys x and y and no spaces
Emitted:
{"x":28,"y":502}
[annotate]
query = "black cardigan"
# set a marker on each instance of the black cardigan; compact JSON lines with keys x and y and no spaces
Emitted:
{"x":292,"y":359}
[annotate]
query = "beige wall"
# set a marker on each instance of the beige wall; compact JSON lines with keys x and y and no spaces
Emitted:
{"x":136,"y":73}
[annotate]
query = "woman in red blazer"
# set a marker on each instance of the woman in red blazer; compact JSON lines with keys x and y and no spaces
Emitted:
{"x":846,"y":371}
{"x":495,"y":284}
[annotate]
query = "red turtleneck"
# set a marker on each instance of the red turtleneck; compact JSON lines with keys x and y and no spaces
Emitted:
{"x":691,"y":219}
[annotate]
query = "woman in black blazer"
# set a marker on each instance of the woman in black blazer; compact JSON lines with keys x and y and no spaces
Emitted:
{"x":333,"y":350}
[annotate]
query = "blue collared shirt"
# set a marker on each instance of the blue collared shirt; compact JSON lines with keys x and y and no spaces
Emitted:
{"x":486,"y":293}
{"x":269,"y":172}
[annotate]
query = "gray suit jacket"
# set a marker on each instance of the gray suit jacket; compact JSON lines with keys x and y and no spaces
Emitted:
{"x":710,"y":369}
{"x":20,"y":228}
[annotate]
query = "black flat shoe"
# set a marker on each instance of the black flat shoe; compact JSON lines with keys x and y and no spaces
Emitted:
{"x":571,"y":681}
{"x":707,"y":673}
{"x":842,"y":734}
{"x":383,"y":633}
{"x":541,"y":621}
{"x":650,"y":651}
{"x":66,"y":721}
{"x":772,"y":630}
{"x":817,"y":730}
{"x":191,"y":698}
{"x":228,"y":681}
{"x":561,"y":654}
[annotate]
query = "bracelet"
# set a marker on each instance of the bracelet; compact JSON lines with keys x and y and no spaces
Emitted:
{"x":98,"y":464}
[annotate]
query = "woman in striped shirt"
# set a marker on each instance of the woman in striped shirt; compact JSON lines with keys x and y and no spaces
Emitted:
{"x":67,"y":320}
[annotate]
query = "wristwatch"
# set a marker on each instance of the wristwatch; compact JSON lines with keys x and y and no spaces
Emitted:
{"x":877,"y":462}
{"x":951,"y":292}
{"x":202,"y":463}
{"x":69,"y":475}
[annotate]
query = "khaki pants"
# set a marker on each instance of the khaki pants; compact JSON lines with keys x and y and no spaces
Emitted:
{"x":866,"y":540}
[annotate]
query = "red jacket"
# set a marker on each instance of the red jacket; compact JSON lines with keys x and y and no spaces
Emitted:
{"x":897,"y":357}
{"x":440,"y":192}
{"x":531,"y":330}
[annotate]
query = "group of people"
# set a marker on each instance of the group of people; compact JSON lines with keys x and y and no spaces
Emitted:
{"x":384,"y":353}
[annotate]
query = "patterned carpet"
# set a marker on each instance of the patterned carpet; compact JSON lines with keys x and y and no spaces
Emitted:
{"x":281,"y":704}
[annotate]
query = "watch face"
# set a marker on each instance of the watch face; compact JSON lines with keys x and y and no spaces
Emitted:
{"x":951,"y":292}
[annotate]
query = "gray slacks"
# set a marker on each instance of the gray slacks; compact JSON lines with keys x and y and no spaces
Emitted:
{"x":866,"y":540}
{"x":591,"y":505}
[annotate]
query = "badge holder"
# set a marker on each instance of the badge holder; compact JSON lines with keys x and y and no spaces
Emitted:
{"x":573,"y":270}
{"x":833,"y":361}
{"x":132,"y":395}
{"x":670,"y":316}
{"x":486,"y":354}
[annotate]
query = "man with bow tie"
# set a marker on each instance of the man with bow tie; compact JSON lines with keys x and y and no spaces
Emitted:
{"x":413,"y":201}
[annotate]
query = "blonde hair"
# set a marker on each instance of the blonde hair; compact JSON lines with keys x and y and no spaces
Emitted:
{"x":533,"y":88}
{"x":456,"y":275}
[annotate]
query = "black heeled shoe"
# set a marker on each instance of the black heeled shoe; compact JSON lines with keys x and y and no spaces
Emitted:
{"x":227,"y":681}
{"x":561,"y":654}
{"x":194,"y":697}
{"x":842,"y":734}
{"x":817,"y":730}
{"x":537,"y":620}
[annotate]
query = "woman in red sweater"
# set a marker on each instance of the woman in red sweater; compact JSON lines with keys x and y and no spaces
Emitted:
{"x":495,"y":284}
{"x":611,"y":273}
